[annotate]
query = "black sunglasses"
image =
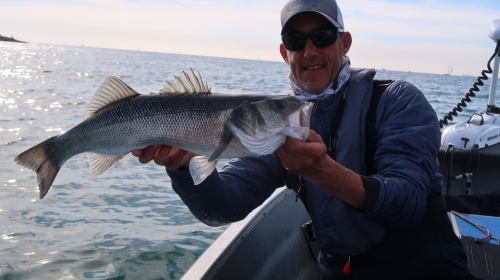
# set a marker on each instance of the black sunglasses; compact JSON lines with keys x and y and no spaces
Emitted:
{"x":321,"y":38}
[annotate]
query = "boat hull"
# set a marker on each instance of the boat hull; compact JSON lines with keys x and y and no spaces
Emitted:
{"x":267,"y":244}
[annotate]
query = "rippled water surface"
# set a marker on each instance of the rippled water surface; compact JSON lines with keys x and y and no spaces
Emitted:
{"x":127,"y":223}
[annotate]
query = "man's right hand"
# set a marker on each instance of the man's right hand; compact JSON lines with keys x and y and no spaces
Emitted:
{"x":168,"y":156}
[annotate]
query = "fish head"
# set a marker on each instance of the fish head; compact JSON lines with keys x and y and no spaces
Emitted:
{"x":284,"y":115}
{"x":261,"y":127}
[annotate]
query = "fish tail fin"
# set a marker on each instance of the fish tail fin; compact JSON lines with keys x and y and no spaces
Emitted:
{"x":40,"y":161}
{"x":200,"y":168}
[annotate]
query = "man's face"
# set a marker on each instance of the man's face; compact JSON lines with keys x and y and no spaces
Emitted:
{"x":315,"y":68}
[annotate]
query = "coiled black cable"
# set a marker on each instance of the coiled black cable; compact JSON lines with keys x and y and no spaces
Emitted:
{"x":474,"y":88}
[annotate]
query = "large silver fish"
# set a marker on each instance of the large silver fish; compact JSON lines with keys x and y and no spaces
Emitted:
{"x":184,"y":114}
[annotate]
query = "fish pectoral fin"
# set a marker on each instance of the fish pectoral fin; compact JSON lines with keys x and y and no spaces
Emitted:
{"x":200,"y":168}
{"x":227,"y":136}
{"x":100,"y":163}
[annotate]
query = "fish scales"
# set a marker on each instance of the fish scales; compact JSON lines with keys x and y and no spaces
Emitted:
{"x":178,"y":120}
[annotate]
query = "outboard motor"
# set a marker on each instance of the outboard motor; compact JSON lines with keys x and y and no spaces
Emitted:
{"x":481,"y":130}
{"x":470,"y":151}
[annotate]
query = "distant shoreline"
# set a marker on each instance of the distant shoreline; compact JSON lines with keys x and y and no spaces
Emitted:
{"x":11,"y":39}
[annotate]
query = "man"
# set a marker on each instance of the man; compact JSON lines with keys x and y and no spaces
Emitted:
{"x":389,"y":225}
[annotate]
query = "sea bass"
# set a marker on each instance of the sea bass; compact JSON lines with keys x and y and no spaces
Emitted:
{"x":183,"y":114}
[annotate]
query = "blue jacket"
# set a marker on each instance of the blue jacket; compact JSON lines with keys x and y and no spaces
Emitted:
{"x":406,"y":161}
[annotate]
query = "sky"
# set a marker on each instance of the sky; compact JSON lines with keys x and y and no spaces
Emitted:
{"x":424,"y":36}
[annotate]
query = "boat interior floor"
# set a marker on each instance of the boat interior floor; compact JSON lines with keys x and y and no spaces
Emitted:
{"x":483,"y":258}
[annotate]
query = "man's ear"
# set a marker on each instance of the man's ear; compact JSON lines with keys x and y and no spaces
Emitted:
{"x":346,"y":42}
{"x":284,"y":54}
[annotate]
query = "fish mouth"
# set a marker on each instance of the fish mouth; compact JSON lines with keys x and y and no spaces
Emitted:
{"x":300,"y":121}
{"x":302,"y":117}
{"x":305,"y":114}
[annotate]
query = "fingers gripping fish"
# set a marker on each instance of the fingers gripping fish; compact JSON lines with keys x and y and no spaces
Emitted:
{"x":183,"y":114}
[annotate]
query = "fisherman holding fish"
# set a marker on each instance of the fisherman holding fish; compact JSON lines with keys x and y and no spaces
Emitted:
{"x":387,"y":224}
{"x":363,"y":161}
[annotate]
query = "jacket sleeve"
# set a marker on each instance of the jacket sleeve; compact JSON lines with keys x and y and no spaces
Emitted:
{"x":231,"y":194}
{"x":406,"y":156}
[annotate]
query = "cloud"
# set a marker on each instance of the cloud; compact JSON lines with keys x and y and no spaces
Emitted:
{"x":204,"y":29}
{"x":426,"y":57}
{"x":428,"y":20}
{"x":424,"y":36}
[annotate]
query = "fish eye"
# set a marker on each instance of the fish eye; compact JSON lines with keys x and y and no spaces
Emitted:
{"x":279,"y":105}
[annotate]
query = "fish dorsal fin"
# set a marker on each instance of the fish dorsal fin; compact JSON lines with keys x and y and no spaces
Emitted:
{"x":100,"y":163}
{"x":110,"y":91}
{"x":187,"y":82}
{"x":200,"y":168}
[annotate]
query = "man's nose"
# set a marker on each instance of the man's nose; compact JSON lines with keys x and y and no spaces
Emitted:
{"x":310,"y":50}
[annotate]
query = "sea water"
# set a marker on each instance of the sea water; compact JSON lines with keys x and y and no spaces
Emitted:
{"x":128,"y":223}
